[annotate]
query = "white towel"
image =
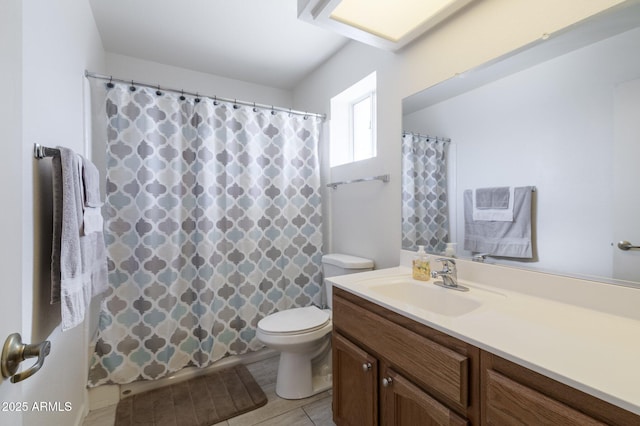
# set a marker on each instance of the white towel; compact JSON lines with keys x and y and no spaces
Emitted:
{"x":82,"y":259}
{"x":493,"y":214}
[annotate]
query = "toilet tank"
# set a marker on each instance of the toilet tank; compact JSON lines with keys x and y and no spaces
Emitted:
{"x":342,"y":264}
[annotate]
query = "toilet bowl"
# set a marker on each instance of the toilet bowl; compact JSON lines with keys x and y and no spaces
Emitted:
{"x":303,"y":336}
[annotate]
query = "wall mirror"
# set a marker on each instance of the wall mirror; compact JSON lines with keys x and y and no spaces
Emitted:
{"x":561,"y":115}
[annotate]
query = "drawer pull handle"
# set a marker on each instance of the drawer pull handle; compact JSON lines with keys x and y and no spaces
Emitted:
{"x":366,"y":366}
{"x":387,"y":381}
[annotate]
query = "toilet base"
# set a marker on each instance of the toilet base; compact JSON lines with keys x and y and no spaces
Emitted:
{"x":298,"y":377}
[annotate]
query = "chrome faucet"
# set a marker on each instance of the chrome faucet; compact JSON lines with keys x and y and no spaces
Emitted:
{"x":449,"y":275}
{"x":480,"y":257}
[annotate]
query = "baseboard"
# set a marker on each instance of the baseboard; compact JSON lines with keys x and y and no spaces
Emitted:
{"x":103,"y":396}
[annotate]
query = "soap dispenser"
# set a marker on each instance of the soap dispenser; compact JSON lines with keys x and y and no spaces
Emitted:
{"x":421,"y":267}
{"x":450,"y":250}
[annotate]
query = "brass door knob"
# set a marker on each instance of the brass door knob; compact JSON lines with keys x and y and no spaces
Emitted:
{"x":14,"y":352}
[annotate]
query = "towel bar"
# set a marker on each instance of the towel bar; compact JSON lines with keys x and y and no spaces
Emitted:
{"x":40,"y":152}
{"x":383,"y":178}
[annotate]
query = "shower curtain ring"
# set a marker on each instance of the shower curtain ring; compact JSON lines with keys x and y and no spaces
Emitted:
{"x":235,"y":104}
{"x":158,"y":92}
{"x":197,"y":99}
{"x":182,"y":98}
{"x":254,"y":107}
{"x":132,"y":87}
{"x":215,"y":100}
{"x":273,"y":111}
{"x":110,"y":84}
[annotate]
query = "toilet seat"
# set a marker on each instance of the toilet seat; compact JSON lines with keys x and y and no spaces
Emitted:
{"x":294,"y":321}
{"x":303,"y":336}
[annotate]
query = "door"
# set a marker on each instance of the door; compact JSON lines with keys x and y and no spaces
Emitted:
{"x":626,"y":199}
{"x":11,"y":195}
{"x":355,"y":387}
{"x":405,"y":404}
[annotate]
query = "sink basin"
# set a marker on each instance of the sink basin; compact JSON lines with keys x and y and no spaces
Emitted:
{"x":427,"y":296}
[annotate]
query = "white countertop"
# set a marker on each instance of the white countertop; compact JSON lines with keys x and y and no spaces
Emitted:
{"x":595,"y":351}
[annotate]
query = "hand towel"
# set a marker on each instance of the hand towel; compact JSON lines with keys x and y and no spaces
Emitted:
{"x":81,"y":260}
{"x":493,"y":198}
{"x":495,"y":204}
{"x":499,"y":238}
{"x":92,"y":220}
{"x":91,"y":184}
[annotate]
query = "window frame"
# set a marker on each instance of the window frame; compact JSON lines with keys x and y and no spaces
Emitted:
{"x":342,"y":147}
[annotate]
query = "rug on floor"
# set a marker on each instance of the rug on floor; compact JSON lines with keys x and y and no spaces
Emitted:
{"x":201,"y":401}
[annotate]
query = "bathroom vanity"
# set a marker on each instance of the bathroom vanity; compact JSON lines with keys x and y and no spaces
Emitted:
{"x":493,"y":357}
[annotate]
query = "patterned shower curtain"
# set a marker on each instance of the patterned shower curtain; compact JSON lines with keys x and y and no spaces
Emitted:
{"x":213,"y":221}
{"x":425,"y":218}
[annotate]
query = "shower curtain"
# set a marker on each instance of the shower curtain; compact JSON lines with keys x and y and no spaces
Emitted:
{"x":213,"y":221}
{"x":425,"y":217}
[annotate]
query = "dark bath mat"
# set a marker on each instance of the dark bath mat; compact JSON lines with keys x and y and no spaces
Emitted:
{"x":201,"y":401}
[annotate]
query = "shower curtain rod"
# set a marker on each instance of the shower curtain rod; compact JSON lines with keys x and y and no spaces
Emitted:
{"x":235,"y":102}
{"x":437,"y":138}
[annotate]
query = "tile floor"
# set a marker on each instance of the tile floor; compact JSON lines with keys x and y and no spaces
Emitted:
{"x":313,"y":411}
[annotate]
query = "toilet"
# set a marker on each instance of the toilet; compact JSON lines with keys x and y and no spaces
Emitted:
{"x":303,"y":336}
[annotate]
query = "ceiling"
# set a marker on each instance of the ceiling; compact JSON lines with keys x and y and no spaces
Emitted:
{"x":259,"y":41}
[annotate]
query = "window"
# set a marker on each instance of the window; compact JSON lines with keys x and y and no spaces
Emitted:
{"x":352,"y":127}
{"x":362,"y":131}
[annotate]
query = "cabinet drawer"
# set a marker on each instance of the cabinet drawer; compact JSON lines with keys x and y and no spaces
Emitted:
{"x":509,"y":402}
{"x":512,"y":391}
{"x":437,"y":368}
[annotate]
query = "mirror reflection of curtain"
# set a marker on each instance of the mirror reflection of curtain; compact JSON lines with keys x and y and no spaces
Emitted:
{"x":213,"y":221}
{"x":425,"y":219}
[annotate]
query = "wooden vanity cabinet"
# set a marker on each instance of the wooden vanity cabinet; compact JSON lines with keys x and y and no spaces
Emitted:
{"x":391,"y":370}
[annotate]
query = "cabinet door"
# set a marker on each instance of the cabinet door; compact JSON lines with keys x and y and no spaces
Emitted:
{"x":403,"y":403}
{"x":355,"y":384}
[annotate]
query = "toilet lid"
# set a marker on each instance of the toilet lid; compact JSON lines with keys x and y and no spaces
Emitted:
{"x":294,"y":320}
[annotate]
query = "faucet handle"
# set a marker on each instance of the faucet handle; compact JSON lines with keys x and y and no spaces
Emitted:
{"x":448,"y":266}
{"x":446,"y":262}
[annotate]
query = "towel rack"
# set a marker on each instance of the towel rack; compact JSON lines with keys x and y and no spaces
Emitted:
{"x":40,"y":152}
{"x":383,"y":178}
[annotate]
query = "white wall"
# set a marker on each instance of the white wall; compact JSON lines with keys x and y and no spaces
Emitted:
{"x":550,"y":126}
{"x":60,"y":40}
{"x":365,"y":218}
